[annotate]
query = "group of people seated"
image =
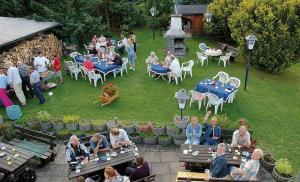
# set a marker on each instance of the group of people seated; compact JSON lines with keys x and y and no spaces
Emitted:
{"x":218,"y":164}
{"x":26,"y":80}
{"x":76,"y":151}
{"x":99,"y":45}
{"x":170,"y":62}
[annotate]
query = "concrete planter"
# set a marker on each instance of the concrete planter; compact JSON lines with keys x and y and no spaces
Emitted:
{"x":165,"y":141}
{"x":170,"y":131}
{"x":159,"y":131}
{"x":178,"y":142}
{"x":99,"y":127}
{"x":58,"y":126}
{"x":72,"y":126}
{"x":111,"y":124}
{"x":46,"y":126}
{"x":266,"y":162}
{"x":151,"y":140}
{"x":85,"y":127}
{"x":129,"y":129}
{"x":181,"y":123}
{"x":135,"y":138}
{"x":278,"y":177}
{"x":33,"y":124}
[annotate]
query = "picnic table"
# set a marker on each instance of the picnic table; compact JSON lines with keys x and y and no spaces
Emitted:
{"x":19,"y":159}
{"x":47,"y":76}
{"x":204,"y":155}
{"x":159,"y":70}
{"x":218,"y":88}
{"x":96,"y":163}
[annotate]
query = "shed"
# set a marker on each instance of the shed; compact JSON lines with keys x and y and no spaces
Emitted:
{"x":193,"y":17}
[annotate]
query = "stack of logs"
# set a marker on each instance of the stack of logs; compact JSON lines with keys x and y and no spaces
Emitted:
{"x":48,"y":44}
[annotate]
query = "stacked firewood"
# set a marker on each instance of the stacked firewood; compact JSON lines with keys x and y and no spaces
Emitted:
{"x":48,"y":44}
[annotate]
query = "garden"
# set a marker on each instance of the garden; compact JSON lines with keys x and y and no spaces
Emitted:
{"x":146,"y":107}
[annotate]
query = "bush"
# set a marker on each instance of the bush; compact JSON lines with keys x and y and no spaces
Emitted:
{"x":221,"y":10}
{"x":223,"y":121}
{"x":276,"y":26}
{"x":69,"y":119}
{"x":283,"y":167}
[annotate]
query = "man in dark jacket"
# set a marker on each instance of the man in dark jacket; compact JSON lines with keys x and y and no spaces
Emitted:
{"x":218,"y":166}
{"x":76,"y":151}
{"x":117,"y":59}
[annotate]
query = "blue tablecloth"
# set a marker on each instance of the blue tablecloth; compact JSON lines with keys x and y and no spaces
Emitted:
{"x":105,"y":68}
{"x":79,"y":58}
{"x":159,"y":69}
{"x":218,"y":89}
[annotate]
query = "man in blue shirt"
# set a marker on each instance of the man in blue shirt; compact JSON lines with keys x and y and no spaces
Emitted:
{"x":99,"y":143}
{"x":218,"y":166}
{"x":212,"y":130}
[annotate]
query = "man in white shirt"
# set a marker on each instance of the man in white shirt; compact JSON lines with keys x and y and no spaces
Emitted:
{"x":175,"y":66}
{"x":15,"y":82}
{"x":40,"y":62}
{"x":241,"y":138}
{"x":118,"y":138}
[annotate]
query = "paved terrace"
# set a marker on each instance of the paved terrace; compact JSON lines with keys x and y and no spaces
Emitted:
{"x":163,"y":162}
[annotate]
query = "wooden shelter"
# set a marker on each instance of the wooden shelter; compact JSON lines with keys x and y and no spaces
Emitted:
{"x":193,"y":17}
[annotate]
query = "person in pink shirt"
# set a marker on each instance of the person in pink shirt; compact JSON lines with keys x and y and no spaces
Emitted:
{"x":88,"y":64}
{"x":3,"y":93}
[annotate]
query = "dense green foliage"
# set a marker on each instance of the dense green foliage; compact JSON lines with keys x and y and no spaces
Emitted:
{"x":190,"y":2}
{"x":276,"y":24}
{"x":221,"y":10}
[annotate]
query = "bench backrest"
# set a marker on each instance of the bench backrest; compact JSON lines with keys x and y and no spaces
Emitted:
{"x":226,"y":134}
{"x":36,"y":135}
{"x":222,"y":46}
{"x":235,"y":51}
{"x":147,"y":179}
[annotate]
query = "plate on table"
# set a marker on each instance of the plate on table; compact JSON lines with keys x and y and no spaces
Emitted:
{"x":245,"y":153}
{"x":2,"y":154}
{"x":103,"y":158}
{"x":195,"y":153}
{"x":114,"y":154}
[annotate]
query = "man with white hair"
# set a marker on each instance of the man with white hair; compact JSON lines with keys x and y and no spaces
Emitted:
{"x":218,"y":166}
{"x":248,"y":170}
{"x":241,"y":138}
{"x":76,"y":151}
{"x":15,"y":82}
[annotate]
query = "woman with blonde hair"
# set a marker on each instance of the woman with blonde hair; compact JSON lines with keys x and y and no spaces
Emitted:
{"x":131,"y":55}
{"x":112,"y":175}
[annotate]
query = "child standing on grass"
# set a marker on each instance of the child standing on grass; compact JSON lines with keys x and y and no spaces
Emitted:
{"x":57,"y":68}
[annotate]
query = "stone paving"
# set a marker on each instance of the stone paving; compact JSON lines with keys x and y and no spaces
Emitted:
{"x":163,"y":162}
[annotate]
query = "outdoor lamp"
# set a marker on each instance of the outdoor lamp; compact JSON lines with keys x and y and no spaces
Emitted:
{"x":182,"y":96}
{"x":208,"y":17}
{"x":251,"y":41}
{"x":152,"y":11}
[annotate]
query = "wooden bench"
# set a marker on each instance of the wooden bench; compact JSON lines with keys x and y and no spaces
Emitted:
{"x":147,"y":179}
{"x":226,"y":134}
{"x":222,"y":46}
{"x":193,"y":176}
{"x":235,"y":51}
{"x":40,"y":139}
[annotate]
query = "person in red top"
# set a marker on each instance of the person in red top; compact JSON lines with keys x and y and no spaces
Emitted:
{"x":57,"y":68}
{"x":88,"y":64}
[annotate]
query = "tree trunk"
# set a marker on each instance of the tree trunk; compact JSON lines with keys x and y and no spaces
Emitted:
{"x":107,"y":19}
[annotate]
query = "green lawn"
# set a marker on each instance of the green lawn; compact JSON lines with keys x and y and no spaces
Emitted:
{"x":271,"y":102}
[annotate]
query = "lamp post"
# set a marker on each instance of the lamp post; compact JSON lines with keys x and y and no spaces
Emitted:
{"x":208,"y":16}
{"x":153,"y":13}
{"x":182,"y":96}
{"x":250,"y":45}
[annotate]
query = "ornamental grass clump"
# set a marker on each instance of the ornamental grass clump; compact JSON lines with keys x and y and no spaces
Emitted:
{"x":43,"y":117}
{"x":70,"y":119}
{"x":283,"y":167}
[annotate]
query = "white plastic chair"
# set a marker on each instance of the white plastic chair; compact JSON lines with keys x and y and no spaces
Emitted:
{"x":214,"y":100}
{"x":231,"y":96}
{"x":74,"y":54}
{"x":202,"y":57}
{"x":233,"y":81}
{"x":197,"y":96}
{"x":203,"y":47}
{"x":95,"y":77}
{"x":175,"y":76}
{"x":85,"y":71}
{"x":124,"y":65}
{"x":74,"y":70}
{"x":188,"y":68}
{"x":222,"y":76}
{"x":225,"y":59}
{"x":86,"y":48}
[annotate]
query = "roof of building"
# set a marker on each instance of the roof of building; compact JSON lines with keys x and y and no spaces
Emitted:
{"x":17,"y":29}
{"x":190,"y":9}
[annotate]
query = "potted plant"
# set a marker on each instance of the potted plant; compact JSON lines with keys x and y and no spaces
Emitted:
{"x":33,"y":123}
{"x":128,"y":126}
{"x":149,"y":138}
{"x":71,"y":122}
{"x":159,"y":129}
{"x":99,"y":125}
{"x":145,"y":127}
{"x":282,"y":172}
{"x":268,"y":161}
{"x":44,"y":118}
{"x":164,"y":140}
{"x":135,"y":138}
{"x":85,"y":125}
{"x":170,"y":129}
{"x":181,"y":122}
{"x":179,"y":137}
{"x":58,"y":124}
{"x":63,"y":134}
